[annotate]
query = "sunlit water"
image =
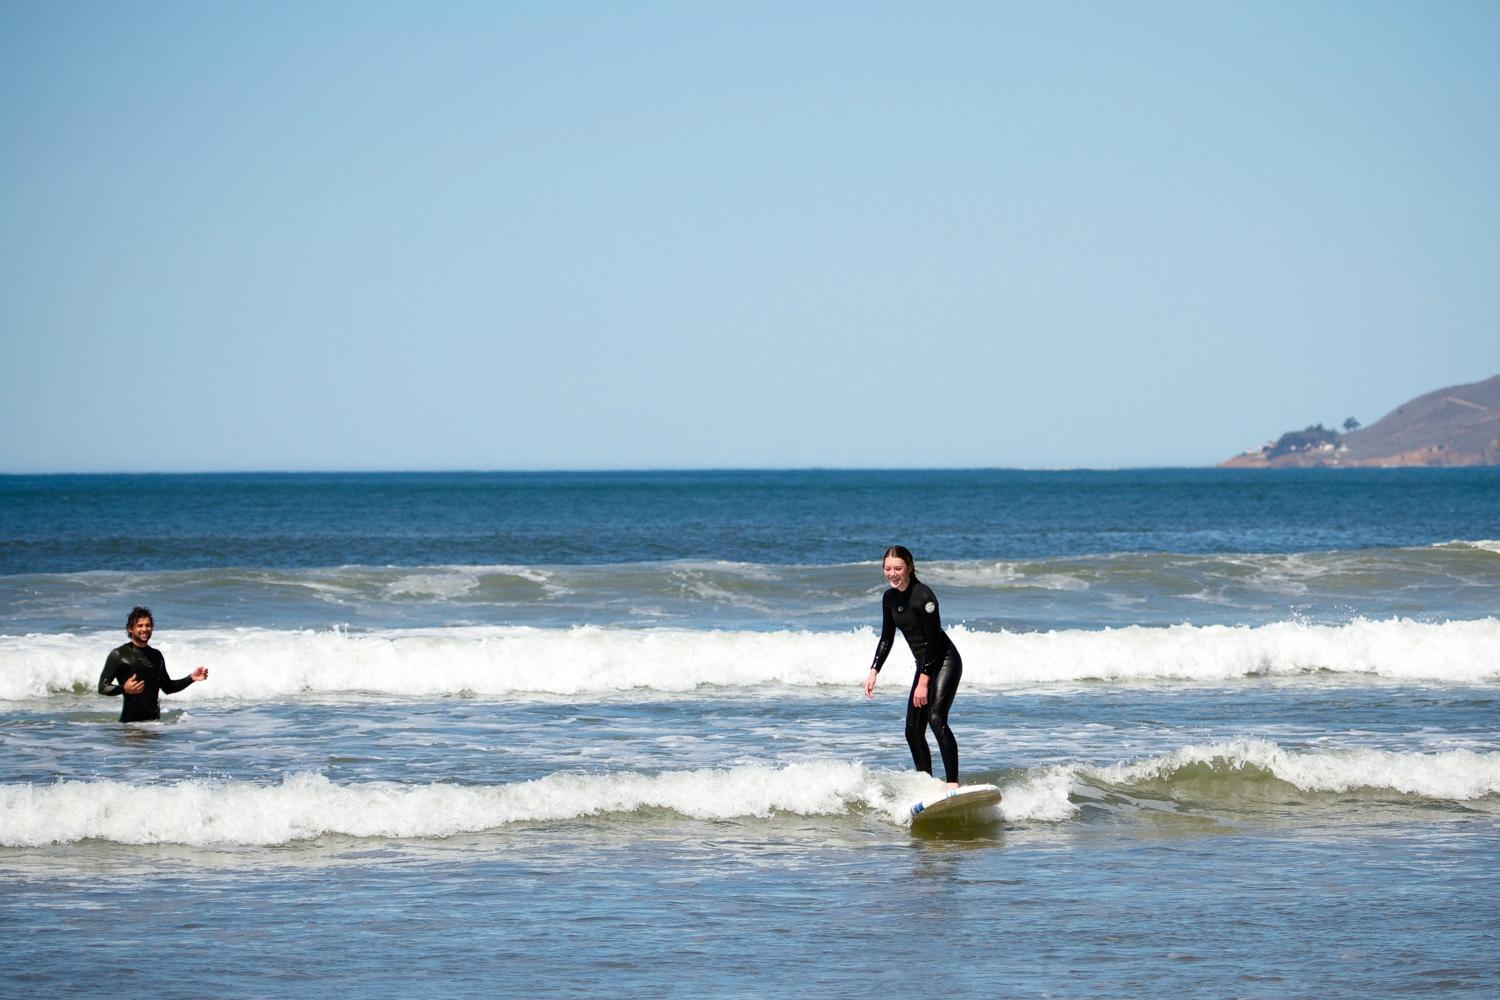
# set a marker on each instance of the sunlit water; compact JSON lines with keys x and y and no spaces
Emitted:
{"x":1262,"y":770}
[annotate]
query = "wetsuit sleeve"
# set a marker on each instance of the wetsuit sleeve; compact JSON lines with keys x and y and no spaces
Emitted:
{"x":887,"y":634}
{"x":934,"y":644}
{"x":109,"y":679}
{"x":168,"y":685}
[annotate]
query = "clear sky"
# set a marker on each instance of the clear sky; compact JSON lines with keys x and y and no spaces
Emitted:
{"x":489,"y":235}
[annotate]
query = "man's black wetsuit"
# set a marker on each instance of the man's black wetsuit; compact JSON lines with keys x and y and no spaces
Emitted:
{"x":915,"y":612}
{"x":151,"y":667}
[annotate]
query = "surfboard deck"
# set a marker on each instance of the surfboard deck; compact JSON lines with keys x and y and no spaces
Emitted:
{"x":955,"y":802}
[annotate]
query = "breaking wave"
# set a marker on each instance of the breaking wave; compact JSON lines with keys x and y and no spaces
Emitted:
{"x":258,"y":664}
{"x":307,"y":806}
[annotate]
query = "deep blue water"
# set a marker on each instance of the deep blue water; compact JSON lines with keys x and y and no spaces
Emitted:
{"x":67,"y":524}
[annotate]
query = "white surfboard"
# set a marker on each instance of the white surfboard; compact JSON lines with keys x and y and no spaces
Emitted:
{"x":955,"y":802}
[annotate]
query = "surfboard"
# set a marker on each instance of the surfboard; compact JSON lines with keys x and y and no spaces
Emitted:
{"x":955,"y":802}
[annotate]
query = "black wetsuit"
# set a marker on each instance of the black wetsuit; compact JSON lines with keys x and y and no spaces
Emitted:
{"x":151,"y":667}
{"x":915,"y":612}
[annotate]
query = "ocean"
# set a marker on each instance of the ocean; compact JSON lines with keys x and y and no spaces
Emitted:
{"x":558,"y":734}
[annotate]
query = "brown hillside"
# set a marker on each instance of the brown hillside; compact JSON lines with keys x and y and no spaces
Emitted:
{"x":1459,"y":425}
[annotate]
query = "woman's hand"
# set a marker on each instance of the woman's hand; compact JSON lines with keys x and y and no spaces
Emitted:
{"x":870,"y":683}
{"x":919,"y":693}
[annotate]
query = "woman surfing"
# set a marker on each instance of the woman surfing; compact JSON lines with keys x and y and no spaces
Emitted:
{"x":911,"y":605}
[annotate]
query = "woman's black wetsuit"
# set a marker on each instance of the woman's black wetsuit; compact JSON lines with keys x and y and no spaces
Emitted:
{"x":915,"y":612}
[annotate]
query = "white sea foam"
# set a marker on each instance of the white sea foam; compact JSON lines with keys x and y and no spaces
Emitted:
{"x":1483,"y":544}
{"x":205,"y":812}
{"x":1003,"y":576}
{"x":1452,"y":775}
{"x":747,"y":570}
{"x":257,"y":664}
{"x":704,"y":584}
{"x":453,"y":582}
{"x":442,"y":585}
{"x":1041,"y":797}
{"x":1448,"y":652}
{"x":306,"y":806}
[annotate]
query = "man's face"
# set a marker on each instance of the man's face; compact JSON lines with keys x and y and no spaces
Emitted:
{"x":140,"y":632}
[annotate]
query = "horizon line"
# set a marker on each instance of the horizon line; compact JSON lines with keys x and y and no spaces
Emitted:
{"x":664,"y":469}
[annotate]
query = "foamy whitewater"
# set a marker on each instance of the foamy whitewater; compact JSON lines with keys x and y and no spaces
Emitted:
{"x":536,"y":734}
{"x":306,"y":806}
{"x":258,"y":664}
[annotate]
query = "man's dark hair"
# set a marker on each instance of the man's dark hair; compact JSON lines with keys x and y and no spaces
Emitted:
{"x":136,"y":614}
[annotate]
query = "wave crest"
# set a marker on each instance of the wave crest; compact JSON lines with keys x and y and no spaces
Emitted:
{"x":307,"y":806}
{"x":1450,"y":776}
{"x":259,"y":665}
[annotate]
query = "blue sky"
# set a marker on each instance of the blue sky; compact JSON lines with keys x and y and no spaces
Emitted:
{"x":367,"y":235}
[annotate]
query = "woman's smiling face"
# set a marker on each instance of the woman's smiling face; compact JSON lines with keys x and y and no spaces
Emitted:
{"x":897,"y":573}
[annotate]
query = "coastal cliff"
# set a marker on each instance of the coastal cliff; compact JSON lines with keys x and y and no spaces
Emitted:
{"x":1459,"y":425}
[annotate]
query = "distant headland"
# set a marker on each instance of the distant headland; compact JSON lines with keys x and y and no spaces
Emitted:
{"x":1459,"y":425}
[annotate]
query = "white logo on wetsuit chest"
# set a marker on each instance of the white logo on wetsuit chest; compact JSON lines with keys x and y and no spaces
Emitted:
{"x":931,"y":607}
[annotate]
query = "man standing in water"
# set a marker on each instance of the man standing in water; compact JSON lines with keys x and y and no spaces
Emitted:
{"x":139,"y":672}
